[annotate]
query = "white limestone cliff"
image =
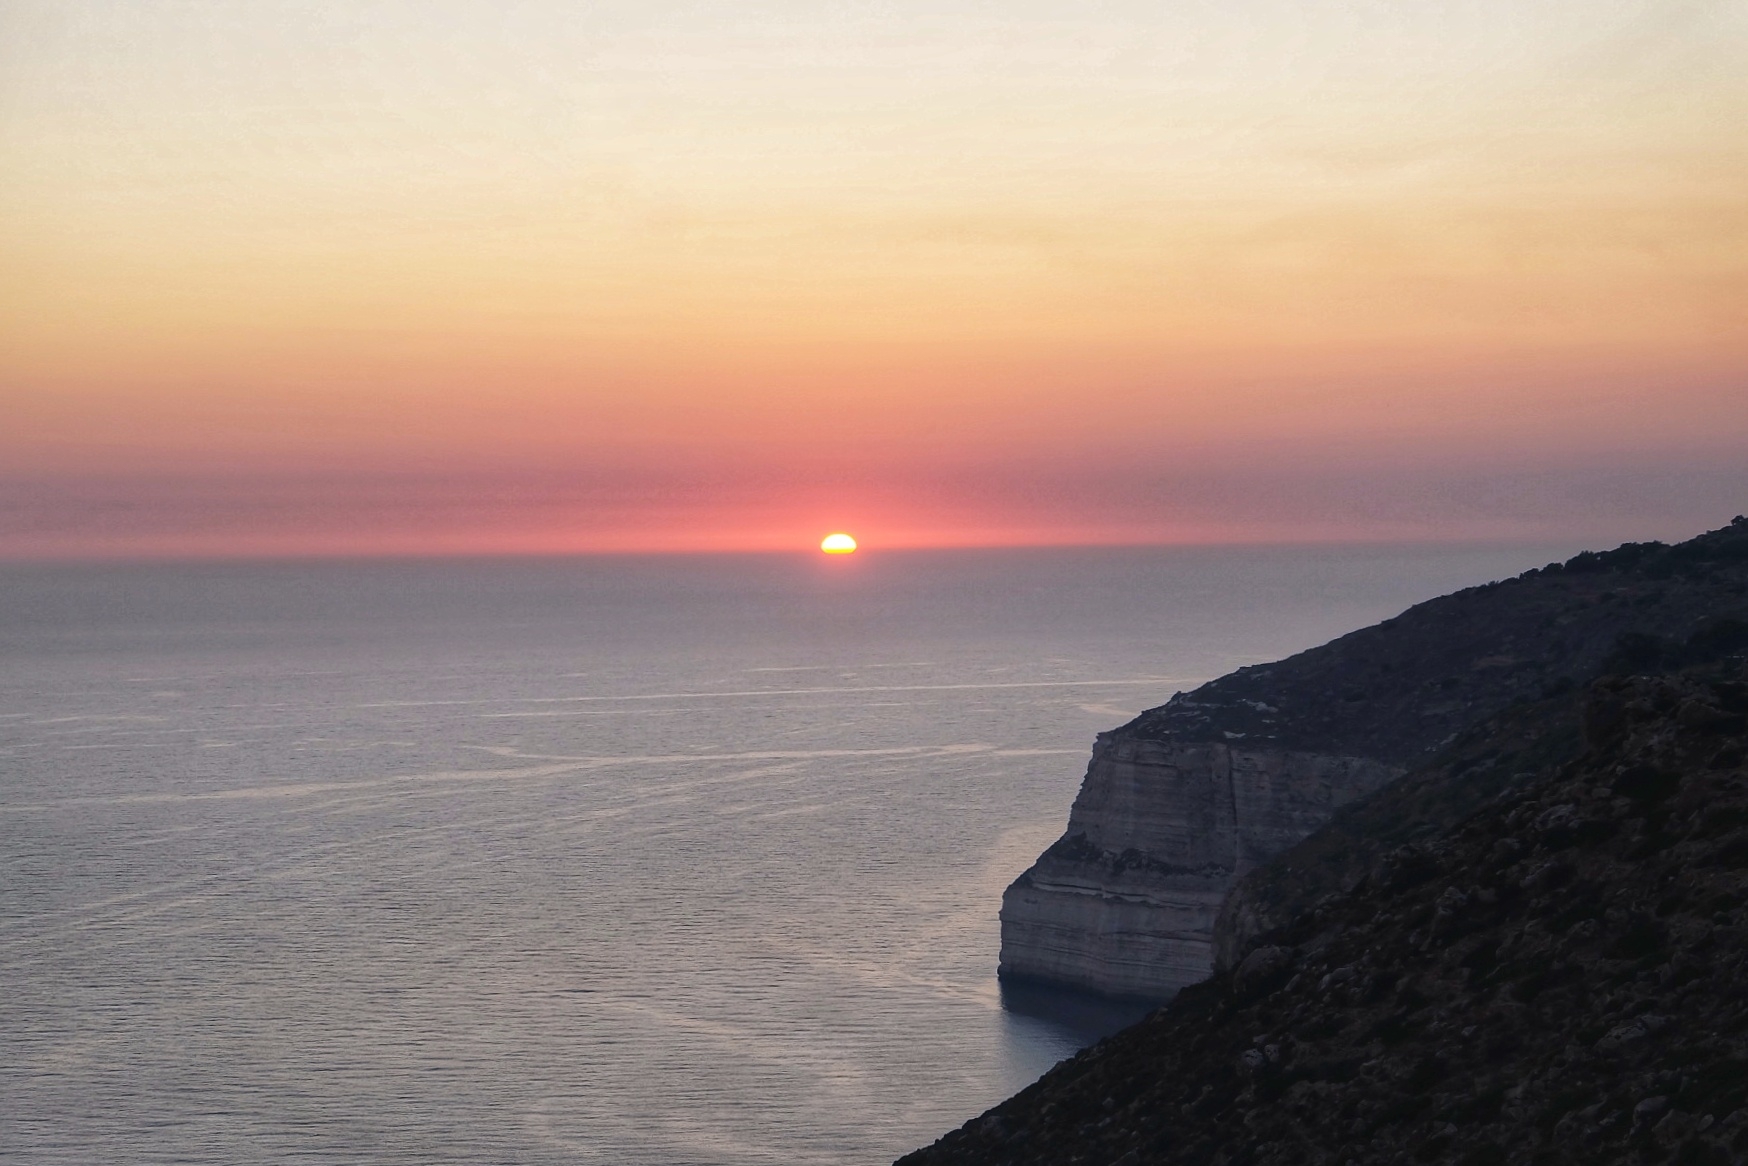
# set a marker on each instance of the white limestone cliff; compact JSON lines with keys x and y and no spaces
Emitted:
{"x":1124,"y":904}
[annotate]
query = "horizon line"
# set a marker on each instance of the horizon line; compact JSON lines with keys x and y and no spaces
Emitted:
{"x":264,"y":556}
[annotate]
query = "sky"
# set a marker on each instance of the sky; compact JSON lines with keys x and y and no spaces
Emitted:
{"x":397,"y":277}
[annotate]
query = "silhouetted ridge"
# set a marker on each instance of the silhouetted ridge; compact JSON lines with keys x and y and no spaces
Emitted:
{"x":1399,"y":688}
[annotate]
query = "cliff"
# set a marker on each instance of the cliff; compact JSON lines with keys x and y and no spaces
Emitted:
{"x":1124,"y":902}
{"x":1559,"y":976}
{"x":1189,"y":798}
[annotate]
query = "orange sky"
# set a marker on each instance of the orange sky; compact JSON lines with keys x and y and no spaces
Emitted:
{"x":407,"y":277}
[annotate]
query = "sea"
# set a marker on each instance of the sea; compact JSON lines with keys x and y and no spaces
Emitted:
{"x":674,"y":860}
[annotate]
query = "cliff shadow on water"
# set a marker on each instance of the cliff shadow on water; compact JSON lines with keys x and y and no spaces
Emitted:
{"x":1076,"y":1019}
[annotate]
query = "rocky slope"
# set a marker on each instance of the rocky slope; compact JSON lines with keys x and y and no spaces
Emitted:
{"x":1559,"y":976}
{"x":1187,"y":799}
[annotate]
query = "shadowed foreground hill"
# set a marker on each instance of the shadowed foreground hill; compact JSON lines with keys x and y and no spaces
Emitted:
{"x":1561,"y":976}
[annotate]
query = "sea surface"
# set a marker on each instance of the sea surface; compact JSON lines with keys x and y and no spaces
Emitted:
{"x":669,"y":860}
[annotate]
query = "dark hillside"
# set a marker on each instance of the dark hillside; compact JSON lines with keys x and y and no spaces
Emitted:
{"x":1401,"y":689}
{"x":1560,"y":977}
{"x":1484,"y":760}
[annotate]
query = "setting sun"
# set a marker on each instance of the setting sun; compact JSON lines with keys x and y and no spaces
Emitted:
{"x":837,"y":544}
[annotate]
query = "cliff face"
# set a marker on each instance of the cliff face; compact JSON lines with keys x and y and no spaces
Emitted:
{"x":1189,"y":797}
{"x":1125,"y":902}
{"x":1561,"y":976}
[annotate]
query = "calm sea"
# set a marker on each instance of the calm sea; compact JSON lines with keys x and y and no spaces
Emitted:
{"x":681,"y":860}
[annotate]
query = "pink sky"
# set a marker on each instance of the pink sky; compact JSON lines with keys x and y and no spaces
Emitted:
{"x":430,"y":278}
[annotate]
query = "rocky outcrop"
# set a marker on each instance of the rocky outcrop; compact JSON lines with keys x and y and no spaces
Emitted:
{"x":1125,"y":902}
{"x":1560,"y":977}
{"x":1189,"y":797}
{"x":1484,"y":763}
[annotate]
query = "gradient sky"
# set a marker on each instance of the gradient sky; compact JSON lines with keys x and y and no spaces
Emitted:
{"x":317,"y":277}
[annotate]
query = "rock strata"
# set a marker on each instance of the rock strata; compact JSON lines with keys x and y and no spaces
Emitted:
{"x":1189,"y":798}
{"x":1125,"y":902}
{"x":1560,"y":976}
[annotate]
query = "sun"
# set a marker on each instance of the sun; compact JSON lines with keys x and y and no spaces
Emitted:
{"x":837,"y":544}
